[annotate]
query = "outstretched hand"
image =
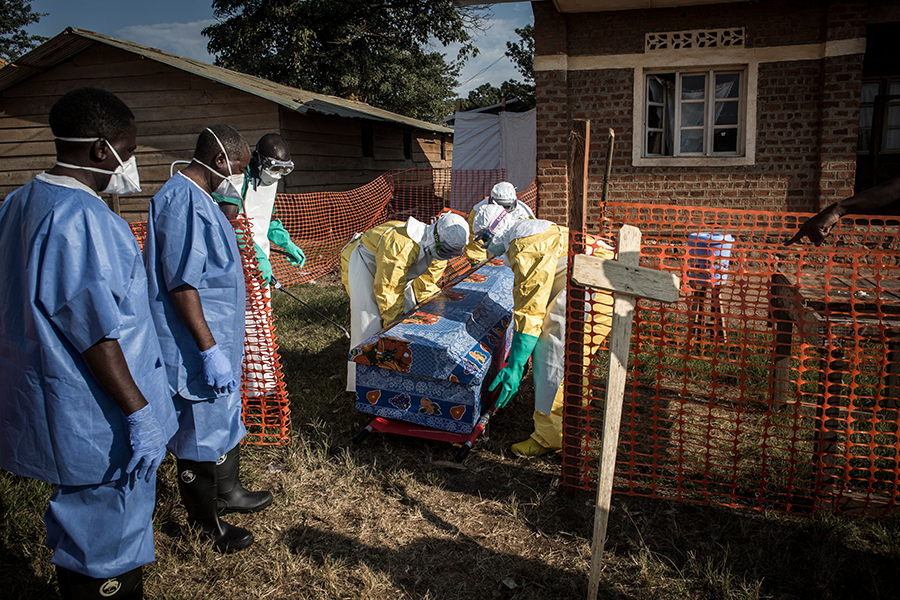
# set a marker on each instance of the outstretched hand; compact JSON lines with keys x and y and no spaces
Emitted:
{"x":817,"y":227}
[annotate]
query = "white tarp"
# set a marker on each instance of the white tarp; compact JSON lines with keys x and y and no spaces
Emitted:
{"x":481,"y":141}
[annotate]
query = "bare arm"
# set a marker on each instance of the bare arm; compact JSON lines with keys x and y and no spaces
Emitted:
{"x":871,"y":201}
{"x":107,"y":364}
{"x":187,"y":304}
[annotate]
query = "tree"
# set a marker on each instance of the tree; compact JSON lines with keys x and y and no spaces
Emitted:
{"x":521,"y":53}
{"x":373,"y":51}
{"x":15,"y":15}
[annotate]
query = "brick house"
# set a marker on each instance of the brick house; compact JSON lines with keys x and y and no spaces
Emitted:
{"x":778,"y":105}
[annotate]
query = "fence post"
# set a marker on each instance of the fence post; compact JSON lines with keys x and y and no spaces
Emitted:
{"x":576,"y":305}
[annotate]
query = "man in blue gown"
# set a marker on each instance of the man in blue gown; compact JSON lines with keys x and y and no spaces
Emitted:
{"x":197,"y":300}
{"x":84,"y":403}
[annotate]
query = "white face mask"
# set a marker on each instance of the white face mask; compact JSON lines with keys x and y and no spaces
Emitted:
{"x":268,"y":178}
{"x":231,"y":185}
{"x":124,"y":180}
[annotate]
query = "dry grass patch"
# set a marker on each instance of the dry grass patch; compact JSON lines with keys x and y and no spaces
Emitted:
{"x":394,"y":518}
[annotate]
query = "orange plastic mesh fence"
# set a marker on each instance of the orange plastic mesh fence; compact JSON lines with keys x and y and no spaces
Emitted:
{"x":321,"y":223}
{"x":773,"y":383}
{"x":266,"y":408}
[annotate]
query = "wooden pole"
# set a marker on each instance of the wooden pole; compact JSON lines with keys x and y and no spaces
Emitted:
{"x":577,"y":175}
{"x":579,"y":146}
{"x":629,"y":249}
{"x":610,"y":144}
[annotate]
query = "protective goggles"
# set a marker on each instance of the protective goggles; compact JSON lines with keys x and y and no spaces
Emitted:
{"x":489,"y":232}
{"x":441,"y":251}
{"x":277,"y":167}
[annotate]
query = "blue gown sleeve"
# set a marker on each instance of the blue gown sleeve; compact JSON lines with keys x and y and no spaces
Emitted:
{"x":82,"y":296}
{"x":181,"y":247}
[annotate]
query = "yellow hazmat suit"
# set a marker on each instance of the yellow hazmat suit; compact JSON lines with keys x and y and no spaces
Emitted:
{"x":376,"y":268}
{"x":426,"y":285}
{"x":537,"y":255}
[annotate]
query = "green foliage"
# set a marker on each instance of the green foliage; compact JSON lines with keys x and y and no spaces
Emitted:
{"x":378,"y":52}
{"x":521,"y":53}
{"x":15,"y":15}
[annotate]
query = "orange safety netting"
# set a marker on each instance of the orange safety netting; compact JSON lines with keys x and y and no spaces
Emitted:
{"x":321,"y":223}
{"x":266,"y":408}
{"x":773,"y":383}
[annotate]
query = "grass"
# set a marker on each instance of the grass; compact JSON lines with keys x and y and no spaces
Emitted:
{"x":394,"y":517}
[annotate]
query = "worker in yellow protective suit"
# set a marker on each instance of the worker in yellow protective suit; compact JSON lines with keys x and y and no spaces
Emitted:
{"x":380,"y":270}
{"x":503,"y":194}
{"x":537,"y":252}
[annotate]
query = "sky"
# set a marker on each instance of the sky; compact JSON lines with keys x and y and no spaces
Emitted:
{"x":174,"y":26}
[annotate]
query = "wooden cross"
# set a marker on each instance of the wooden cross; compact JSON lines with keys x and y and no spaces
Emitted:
{"x":627,"y":281}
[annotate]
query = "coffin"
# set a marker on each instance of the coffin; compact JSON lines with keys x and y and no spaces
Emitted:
{"x":433,"y":366}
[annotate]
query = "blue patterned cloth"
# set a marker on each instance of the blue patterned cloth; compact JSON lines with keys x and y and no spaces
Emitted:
{"x":429,"y":368}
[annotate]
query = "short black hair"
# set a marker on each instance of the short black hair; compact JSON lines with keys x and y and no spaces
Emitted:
{"x":208,"y":148}
{"x":88,"y":113}
{"x":274,"y":146}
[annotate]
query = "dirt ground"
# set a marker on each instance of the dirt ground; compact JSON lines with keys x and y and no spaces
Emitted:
{"x":396,"y":517}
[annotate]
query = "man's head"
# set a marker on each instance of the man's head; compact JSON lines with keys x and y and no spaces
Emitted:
{"x":271,"y":159}
{"x":504,"y":194}
{"x":446,"y":237}
{"x":490,"y":228}
{"x":222,"y":148}
{"x":95,"y":130}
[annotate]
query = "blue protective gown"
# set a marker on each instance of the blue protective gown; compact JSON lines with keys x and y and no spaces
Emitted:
{"x":190,"y":241}
{"x":73,"y":275}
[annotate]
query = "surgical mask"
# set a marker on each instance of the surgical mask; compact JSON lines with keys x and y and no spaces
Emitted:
{"x":268,"y":178}
{"x":124,"y":180}
{"x":231,"y":185}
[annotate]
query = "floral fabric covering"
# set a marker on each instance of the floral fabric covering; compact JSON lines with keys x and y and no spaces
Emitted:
{"x":452,"y":337}
{"x":432,"y":366}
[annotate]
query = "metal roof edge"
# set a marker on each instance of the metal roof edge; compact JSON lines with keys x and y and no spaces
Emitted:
{"x":71,"y":41}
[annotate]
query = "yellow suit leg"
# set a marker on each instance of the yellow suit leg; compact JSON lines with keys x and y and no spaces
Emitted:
{"x":548,"y":427}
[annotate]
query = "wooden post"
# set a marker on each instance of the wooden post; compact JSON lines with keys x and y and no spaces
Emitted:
{"x":628,"y":281}
{"x":577,"y":174}
{"x":610,"y":144}
{"x":579,"y":146}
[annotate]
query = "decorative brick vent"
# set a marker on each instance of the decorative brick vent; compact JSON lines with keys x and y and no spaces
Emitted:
{"x":700,"y":38}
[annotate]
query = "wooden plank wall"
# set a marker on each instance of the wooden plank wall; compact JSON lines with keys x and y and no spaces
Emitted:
{"x":172,"y":107}
{"x":328,"y":156}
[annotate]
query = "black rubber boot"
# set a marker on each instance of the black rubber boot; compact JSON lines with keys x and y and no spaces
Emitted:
{"x":75,"y":586}
{"x":232,"y":496}
{"x":197,"y":484}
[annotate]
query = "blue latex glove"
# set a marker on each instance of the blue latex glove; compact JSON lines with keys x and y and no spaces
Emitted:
{"x":279,"y":236}
{"x":147,"y":443}
{"x":510,"y":376}
{"x":217,"y":371}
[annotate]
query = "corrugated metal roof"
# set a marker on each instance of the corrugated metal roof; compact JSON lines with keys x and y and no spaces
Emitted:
{"x":72,"y":41}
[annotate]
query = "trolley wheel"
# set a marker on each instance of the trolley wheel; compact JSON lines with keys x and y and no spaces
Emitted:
{"x":463,"y":453}
{"x":362,"y":435}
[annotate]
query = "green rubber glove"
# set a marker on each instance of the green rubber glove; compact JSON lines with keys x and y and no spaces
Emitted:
{"x":510,"y":376}
{"x":265,"y":267}
{"x":279,"y":236}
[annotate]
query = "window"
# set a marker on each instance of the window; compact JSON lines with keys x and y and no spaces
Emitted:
{"x":368,"y":141}
{"x":697,"y":113}
{"x":407,"y":145}
{"x":879,"y":116}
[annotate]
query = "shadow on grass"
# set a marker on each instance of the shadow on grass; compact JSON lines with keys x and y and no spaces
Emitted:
{"x":451,"y":567}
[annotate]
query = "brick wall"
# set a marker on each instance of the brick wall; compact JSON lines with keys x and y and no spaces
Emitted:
{"x":807,"y":110}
